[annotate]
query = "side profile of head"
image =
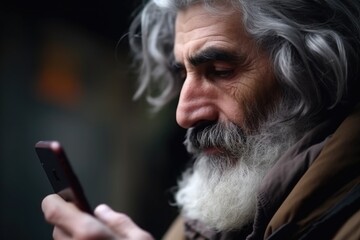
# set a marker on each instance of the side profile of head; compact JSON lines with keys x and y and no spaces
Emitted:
{"x":314,"y":58}
{"x":251,"y":76}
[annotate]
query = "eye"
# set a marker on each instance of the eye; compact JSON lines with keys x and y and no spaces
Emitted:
{"x":220,"y":72}
{"x":178,"y":71}
{"x":181,"y":74}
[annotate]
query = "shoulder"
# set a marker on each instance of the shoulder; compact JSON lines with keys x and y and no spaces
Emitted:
{"x":326,"y":200}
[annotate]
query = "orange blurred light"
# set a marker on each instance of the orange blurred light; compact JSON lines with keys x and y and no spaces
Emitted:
{"x":59,"y":79}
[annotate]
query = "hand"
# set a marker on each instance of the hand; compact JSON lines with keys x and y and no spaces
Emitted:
{"x":71,"y":223}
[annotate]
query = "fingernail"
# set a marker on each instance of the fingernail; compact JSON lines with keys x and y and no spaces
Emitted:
{"x":103,"y":210}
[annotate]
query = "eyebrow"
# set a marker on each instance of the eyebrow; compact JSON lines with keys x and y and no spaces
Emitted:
{"x":215,"y":54}
{"x":208,"y":55}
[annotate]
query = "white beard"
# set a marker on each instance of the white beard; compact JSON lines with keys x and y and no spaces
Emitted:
{"x":224,"y":198}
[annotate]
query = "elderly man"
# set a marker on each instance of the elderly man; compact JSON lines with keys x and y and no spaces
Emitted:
{"x":269,"y":93}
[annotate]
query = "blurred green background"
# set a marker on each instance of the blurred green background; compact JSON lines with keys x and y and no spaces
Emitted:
{"x":64,"y":75}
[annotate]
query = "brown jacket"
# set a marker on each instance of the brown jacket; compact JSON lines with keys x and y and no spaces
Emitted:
{"x":313,"y":191}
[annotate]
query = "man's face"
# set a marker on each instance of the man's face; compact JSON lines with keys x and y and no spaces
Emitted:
{"x":226,"y":77}
{"x":230,"y":104}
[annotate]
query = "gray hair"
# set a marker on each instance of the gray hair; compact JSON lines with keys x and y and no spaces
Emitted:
{"x":314,"y":46}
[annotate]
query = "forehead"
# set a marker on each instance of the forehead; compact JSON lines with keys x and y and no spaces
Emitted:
{"x":198,"y":27}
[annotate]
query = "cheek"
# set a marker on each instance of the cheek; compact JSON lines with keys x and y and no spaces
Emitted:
{"x":260,"y":103}
{"x":255,"y":99}
{"x":232,"y":99}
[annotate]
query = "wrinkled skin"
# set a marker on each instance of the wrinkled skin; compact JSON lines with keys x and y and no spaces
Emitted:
{"x":226,"y":77}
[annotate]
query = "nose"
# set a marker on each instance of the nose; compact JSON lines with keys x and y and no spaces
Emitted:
{"x":197,"y":103}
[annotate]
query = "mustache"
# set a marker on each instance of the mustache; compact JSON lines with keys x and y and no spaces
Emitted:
{"x":228,"y":138}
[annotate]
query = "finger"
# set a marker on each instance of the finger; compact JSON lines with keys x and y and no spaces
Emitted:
{"x":120,"y":223}
{"x":59,"y":234}
{"x":72,"y":221}
{"x":59,"y":212}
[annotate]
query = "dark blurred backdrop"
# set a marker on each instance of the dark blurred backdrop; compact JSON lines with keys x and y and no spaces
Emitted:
{"x":64,"y":75}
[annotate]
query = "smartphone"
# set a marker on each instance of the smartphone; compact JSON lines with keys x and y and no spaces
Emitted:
{"x":60,"y":174}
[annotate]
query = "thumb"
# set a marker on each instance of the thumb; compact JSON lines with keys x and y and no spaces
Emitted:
{"x":120,"y":223}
